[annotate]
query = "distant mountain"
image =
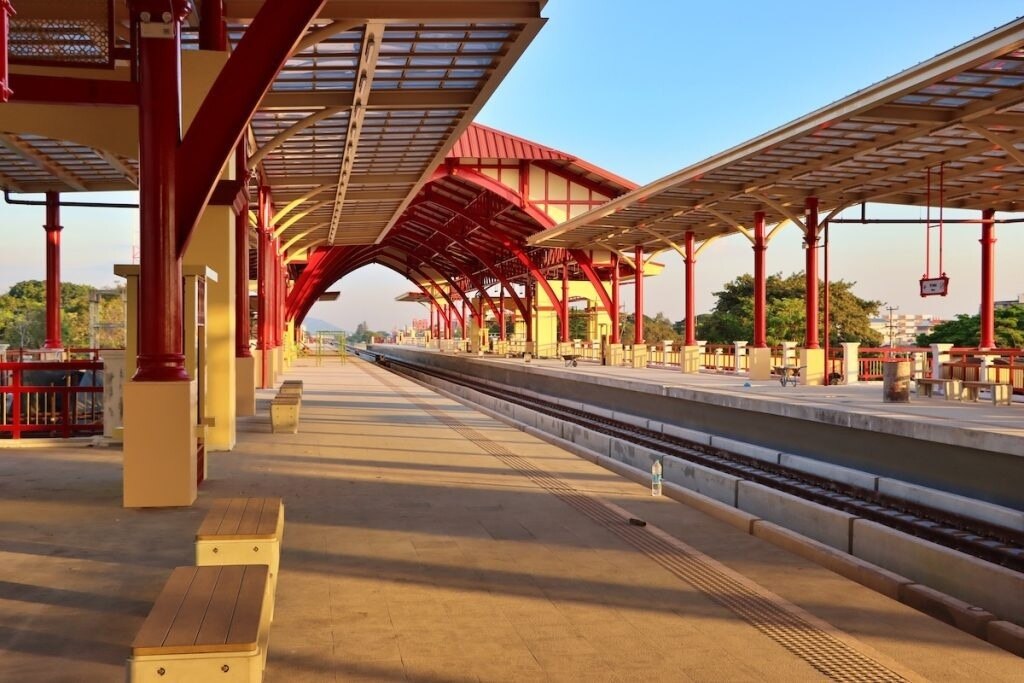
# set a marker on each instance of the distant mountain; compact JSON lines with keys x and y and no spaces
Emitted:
{"x":313,"y":325}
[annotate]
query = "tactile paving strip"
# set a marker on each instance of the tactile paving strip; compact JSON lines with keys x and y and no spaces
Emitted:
{"x":815,"y":642}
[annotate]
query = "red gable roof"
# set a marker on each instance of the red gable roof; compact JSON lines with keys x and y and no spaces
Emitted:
{"x":481,"y":142}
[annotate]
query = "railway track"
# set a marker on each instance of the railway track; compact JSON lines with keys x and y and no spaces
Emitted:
{"x":971,"y":536}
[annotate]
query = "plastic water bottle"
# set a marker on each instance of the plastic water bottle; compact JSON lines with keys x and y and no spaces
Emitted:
{"x":656,"y":478}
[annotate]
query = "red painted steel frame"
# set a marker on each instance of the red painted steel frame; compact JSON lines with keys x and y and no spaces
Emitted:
{"x":501,"y":316}
{"x":6,"y":11}
{"x":564,"y":310}
{"x":212,"y":29}
{"x":263,"y":283}
{"x":638,"y":315}
{"x":691,"y":294}
{"x":242,"y":324}
{"x":988,"y":280}
{"x":218,"y":126}
{"x":161,"y":322}
{"x":760,"y":283}
{"x":77,"y":91}
{"x":19,"y":392}
{"x":53,"y":228}
{"x":616,"y":334}
{"x":811,"y":287}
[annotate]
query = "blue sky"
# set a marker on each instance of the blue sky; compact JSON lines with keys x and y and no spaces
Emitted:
{"x":644,"y":89}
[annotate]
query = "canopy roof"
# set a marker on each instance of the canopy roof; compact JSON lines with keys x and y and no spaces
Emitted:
{"x":356,"y":121}
{"x":962,"y":111}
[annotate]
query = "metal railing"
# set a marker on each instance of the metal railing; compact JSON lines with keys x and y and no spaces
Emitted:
{"x":54,"y":399}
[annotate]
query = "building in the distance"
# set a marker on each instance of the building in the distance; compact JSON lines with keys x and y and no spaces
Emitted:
{"x":903,"y":330}
{"x":1019,"y":301}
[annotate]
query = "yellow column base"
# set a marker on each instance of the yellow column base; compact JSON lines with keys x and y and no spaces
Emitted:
{"x":160,"y":444}
{"x":689,"y":359}
{"x":615,"y":354}
{"x":760,"y":363}
{"x":258,"y":369}
{"x":245,"y":387}
{"x":278,"y":355}
{"x":813,"y":360}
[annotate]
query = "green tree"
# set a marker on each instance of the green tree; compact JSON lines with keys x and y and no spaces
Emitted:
{"x":965,"y":330}
{"x":656,"y":329}
{"x":732,"y":318}
{"x":23,"y":315}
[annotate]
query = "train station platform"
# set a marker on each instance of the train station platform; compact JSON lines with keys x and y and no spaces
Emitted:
{"x":426,"y":541}
{"x":973,"y":449}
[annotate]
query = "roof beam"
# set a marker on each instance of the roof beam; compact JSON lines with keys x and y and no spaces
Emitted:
{"x":357,"y":179}
{"x":24,"y":149}
{"x":1002,"y":141}
{"x":297,"y":127}
{"x":406,"y":10}
{"x":370,"y":48}
{"x":382,"y":99}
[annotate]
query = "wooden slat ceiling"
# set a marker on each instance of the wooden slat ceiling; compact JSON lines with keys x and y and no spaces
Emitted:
{"x":962,"y":111}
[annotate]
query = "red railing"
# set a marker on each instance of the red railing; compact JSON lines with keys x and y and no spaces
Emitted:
{"x":51,"y":399}
{"x":1008,"y":367}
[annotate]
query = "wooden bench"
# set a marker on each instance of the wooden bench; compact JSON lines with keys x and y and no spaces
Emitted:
{"x":291,"y":387}
{"x":208,"y":624}
{"x":788,"y":374}
{"x":951,"y":388}
{"x":243,"y":531}
{"x":1001,"y":393}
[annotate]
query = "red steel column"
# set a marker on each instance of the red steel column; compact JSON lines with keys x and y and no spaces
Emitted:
{"x":564,"y":313}
{"x":262,"y":280}
{"x":212,"y":30}
{"x":691,"y":294}
{"x":53,"y":228}
{"x":528,"y":318}
{"x":988,"y":280}
{"x":501,"y":315}
{"x":242,"y":324}
{"x":760,"y":284}
{"x":638,"y":305}
{"x":448,"y":322}
{"x":811,"y":288}
{"x":616,"y":337}
{"x":430,"y":327}
{"x":161,"y":319}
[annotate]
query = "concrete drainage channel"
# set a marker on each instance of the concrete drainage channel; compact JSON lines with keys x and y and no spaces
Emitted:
{"x":978,"y":597}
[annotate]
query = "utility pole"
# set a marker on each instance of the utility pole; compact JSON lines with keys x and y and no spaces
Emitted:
{"x":892,"y":328}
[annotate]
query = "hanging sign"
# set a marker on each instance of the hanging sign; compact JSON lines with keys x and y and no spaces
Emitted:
{"x":934,"y":286}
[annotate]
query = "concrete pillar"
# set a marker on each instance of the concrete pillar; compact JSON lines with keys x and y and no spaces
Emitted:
{"x":986,"y":373}
{"x":789,"y":356}
{"x":213,"y":245}
{"x":741,"y":353}
{"x":813,"y":362}
{"x":760,"y":363}
{"x":113,"y":393}
{"x":940,"y":355}
{"x":851,"y":362}
{"x":918,"y":365}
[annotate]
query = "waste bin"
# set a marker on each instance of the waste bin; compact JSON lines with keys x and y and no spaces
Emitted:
{"x":896,"y":381}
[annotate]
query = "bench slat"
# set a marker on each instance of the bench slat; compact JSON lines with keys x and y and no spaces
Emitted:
{"x":244,"y":518}
{"x":217,"y":622}
{"x":154,"y":630}
{"x":189,"y":619}
{"x":205,"y":609}
{"x":250,"y":519}
{"x":214,"y":517}
{"x":268,"y":520}
{"x":245,"y":625}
